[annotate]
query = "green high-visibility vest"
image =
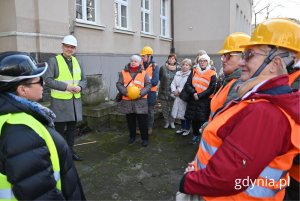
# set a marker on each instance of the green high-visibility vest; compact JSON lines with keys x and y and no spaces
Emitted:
{"x":64,"y":75}
{"x":6,"y":192}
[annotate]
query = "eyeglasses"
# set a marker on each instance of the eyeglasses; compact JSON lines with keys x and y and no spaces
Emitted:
{"x":41,"y":82}
{"x":248,"y":54}
{"x":202,"y":61}
{"x":227,"y":56}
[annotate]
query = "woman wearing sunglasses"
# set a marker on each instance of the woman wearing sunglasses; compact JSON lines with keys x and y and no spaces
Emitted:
{"x":35,"y":161}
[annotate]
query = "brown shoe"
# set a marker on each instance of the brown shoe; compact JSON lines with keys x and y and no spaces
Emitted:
{"x":138,"y":132}
{"x":149,"y":131}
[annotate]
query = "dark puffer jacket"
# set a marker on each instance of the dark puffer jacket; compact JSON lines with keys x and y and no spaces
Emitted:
{"x":25,"y":158}
{"x":199,"y":109}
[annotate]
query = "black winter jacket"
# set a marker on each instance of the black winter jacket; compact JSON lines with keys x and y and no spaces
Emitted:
{"x":25,"y":158}
{"x":199,"y":109}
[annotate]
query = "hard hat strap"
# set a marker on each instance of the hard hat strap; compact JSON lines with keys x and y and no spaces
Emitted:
{"x":267,"y":60}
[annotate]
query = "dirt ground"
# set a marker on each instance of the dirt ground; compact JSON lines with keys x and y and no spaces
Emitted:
{"x":114,"y":170}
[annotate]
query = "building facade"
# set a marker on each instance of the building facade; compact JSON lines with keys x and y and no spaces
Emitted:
{"x":110,"y":31}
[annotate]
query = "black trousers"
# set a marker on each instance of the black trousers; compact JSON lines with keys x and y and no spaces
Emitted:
{"x":196,"y":125}
{"x":68,"y":131}
{"x":142,"y":120}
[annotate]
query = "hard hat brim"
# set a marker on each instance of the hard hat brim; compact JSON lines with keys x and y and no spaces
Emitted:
{"x":39,"y":71}
{"x":252,"y":43}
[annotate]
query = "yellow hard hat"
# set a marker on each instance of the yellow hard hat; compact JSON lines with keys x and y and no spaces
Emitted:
{"x":146,"y":51}
{"x":279,"y":32}
{"x":233,"y":41}
{"x":133,"y":92}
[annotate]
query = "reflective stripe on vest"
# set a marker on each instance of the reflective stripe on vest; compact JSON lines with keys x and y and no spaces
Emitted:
{"x":202,"y":81}
{"x":150,"y":70}
{"x":138,"y":81}
{"x":25,"y":119}
{"x":65,"y":76}
{"x":275,"y":172}
{"x":219,"y":98}
{"x":293,"y":76}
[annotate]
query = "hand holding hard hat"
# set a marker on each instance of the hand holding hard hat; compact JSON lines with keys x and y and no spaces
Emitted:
{"x":133,"y":92}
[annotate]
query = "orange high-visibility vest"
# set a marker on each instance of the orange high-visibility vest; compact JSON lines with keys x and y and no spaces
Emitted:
{"x":275,"y":172}
{"x":150,"y":70}
{"x":219,"y":98}
{"x":295,"y":170}
{"x":201,"y":81}
{"x":293,"y":76}
{"x":138,"y":81}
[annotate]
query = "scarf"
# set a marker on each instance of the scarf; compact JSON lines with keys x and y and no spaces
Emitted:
{"x":38,"y":108}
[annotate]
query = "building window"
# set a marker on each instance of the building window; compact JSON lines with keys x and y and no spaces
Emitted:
{"x":164,"y":18}
{"x":145,"y":16}
{"x":121,"y":10}
{"x":85,"y":11}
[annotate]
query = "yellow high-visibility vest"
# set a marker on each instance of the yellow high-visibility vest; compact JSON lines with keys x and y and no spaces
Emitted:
{"x":6,"y":192}
{"x":65,"y":76}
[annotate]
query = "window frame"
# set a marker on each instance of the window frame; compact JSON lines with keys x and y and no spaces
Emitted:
{"x":118,"y":21}
{"x":145,"y":11}
{"x":165,"y":18}
{"x":84,"y":13}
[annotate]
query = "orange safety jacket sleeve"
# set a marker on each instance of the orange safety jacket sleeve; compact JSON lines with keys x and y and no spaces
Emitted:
{"x":251,"y":140}
{"x":210,"y":90}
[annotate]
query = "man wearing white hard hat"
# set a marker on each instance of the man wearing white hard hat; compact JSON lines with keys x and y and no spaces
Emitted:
{"x":66,"y":78}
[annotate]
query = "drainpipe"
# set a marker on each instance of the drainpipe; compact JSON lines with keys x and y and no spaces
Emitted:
{"x":172,"y":27}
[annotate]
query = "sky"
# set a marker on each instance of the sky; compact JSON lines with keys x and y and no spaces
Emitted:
{"x":278,"y":8}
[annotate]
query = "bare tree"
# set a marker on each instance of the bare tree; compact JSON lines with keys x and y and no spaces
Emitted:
{"x":264,"y":10}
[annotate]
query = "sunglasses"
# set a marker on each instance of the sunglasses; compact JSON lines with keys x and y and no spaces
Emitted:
{"x":248,"y":54}
{"x":226,"y":57}
{"x":41,"y":82}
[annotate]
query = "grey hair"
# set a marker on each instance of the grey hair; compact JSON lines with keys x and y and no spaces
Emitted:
{"x":136,"y":58}
{"x":188,"y":61}
{"x":201,"y":52}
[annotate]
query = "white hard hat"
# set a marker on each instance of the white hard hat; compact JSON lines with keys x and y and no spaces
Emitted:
{"x":70,"y":40}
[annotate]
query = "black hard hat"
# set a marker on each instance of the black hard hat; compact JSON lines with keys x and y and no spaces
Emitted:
{"x":17,"y":66}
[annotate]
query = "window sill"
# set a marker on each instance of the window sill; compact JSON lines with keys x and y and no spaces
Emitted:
{"x":90,"y":26}
{"x":147,"y":35}
{"x":124,"y":31}
{"x":165,"y":38}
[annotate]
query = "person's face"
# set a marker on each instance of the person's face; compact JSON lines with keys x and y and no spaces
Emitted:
{"x":68,"y":50}
{"x":145,"y":58}
{"x":230,"y":62}
{"x":134,"y":63}
{"x":171,"y":60}
{"x":253,"y":58}
{"x":185,"y":67}
{"x":203,"y":63}
{"x":32,"y":90}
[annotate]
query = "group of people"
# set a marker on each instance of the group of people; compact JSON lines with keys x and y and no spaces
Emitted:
{"x":248,"y":129}
{"x":184,"y":93}
{"x":249,"y":148}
